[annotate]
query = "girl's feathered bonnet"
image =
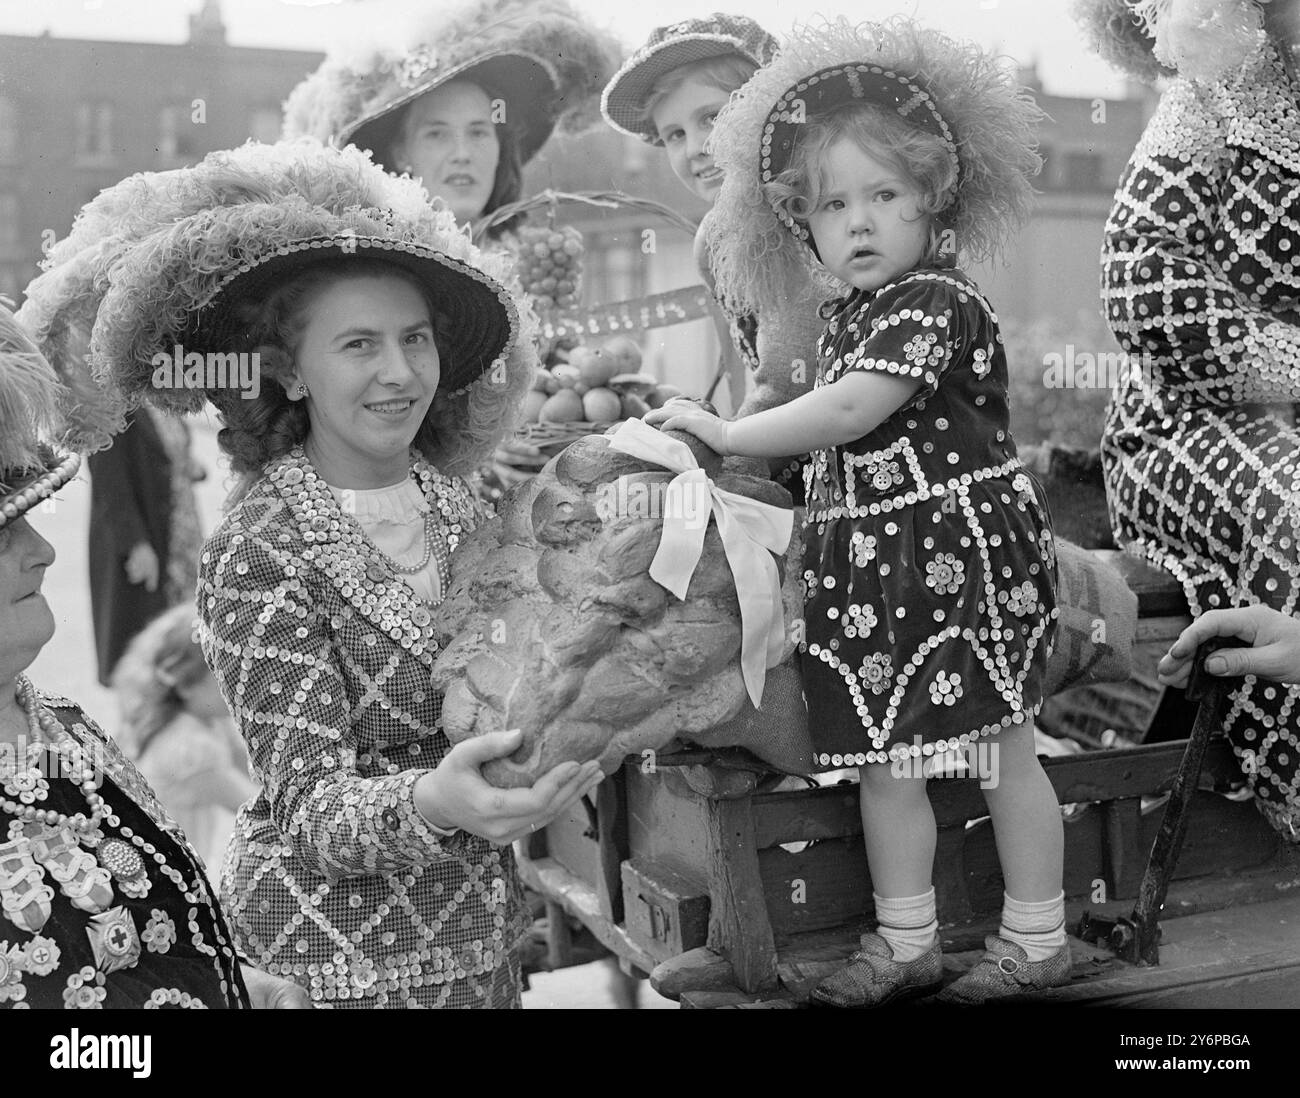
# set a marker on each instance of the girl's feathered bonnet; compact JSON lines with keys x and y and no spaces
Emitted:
{"x":1204,"y":40}
{"x":951,"y":89}
{"x":541,"y":56}
{"x":162,"y":262}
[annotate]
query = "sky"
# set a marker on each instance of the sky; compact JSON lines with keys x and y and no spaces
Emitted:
{"x":1029,"y":30}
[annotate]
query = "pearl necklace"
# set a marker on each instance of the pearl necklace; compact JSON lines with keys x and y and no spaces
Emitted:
{"x":44,"y":725}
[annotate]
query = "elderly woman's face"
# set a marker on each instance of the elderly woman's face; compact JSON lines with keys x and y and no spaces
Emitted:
{"x":450,"y":143}
{"x":26,"y":623}
{"x":367,"y":356}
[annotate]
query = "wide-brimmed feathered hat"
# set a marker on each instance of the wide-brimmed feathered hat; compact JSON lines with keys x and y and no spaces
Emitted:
{"x":1204,"y":40}
{"x":670,"y":47}
{"x":541,"y":57}
{"x":38,"y":452}
{"x":953,"y":90}
{"x":198,"y":245}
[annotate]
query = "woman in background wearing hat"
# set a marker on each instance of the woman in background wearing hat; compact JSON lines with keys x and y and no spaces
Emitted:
{"x":462,"y":101}
{"x":374,"y":867}
{"x":104,"y":902}
{"x":667,"y":94}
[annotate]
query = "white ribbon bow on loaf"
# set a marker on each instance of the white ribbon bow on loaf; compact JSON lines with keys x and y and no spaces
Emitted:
{"x":751,"y":532}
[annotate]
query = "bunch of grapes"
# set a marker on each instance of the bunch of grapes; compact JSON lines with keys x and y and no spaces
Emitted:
{"x":550,"y":265}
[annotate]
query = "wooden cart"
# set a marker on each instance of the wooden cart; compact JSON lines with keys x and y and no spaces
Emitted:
{"x":726,"y":886}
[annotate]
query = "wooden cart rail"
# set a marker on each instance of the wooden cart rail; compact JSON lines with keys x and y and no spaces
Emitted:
{"x":722,"y":885}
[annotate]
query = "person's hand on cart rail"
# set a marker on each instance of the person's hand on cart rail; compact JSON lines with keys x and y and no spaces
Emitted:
{"x":1271,"y":651}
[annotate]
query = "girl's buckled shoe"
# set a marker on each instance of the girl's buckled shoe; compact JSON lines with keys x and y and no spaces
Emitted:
{"x":873,"y":978}
{"x":1005,"y":970}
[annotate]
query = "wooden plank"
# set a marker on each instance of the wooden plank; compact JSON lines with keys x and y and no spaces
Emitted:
{"x":1165,"y":628}
{"x":832,"y":812}
{"x":667,"y":828}
{"x":738,"y":917}
{"x":1125,"y":848}
{"x":611,"y":814}
{"x":578,"y":897}
{"x":568,"y":842}
{"x":559,"y":939}
{"x":820,"y":887}
{"x":665,"y":914}
{"x":1157,"y":591}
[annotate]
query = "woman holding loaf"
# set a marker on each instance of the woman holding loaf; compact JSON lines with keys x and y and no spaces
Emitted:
{"x":373,"y":868}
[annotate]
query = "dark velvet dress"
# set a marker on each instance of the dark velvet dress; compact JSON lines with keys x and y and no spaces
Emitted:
{"x":146,"y":933}
{"x":929,"y":565}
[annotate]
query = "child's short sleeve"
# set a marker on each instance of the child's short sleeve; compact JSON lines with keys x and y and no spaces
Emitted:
{"x":907,"y":329}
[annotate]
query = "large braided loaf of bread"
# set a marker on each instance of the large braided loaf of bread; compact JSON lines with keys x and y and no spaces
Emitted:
{"x":553,"y":625}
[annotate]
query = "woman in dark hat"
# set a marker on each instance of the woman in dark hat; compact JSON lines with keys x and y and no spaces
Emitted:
{"x":104,"y":902}
{"x":462,"y":100}
{"x":386,"y":359}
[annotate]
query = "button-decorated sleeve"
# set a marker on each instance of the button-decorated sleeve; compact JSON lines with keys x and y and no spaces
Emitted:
{"x":1166,"y":299}
{"x":907,"y":329}
{"x":269,"y":645}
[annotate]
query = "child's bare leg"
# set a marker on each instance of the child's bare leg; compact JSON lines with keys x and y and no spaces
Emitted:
{"x":899,"y":829}
{"x":1030,"y":839}
{"x":1026,"y":817}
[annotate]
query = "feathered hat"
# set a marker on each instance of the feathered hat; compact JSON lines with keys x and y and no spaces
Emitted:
{"x":950,"y":89}
{"x":199,"y":244}
{"x":37,"y":449}
{"x":1203,"y":40}
{"x":670,"y":47}
{"x":541,"y":57}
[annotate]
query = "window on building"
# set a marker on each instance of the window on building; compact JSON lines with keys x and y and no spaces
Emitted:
{"x":264,"y":125}
{"x":8,"y":130}
{"x":1081,"y":171}
{"x":94,"y":131}
{"x":175,"y":134}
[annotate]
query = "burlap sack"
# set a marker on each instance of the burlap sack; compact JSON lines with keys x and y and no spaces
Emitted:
{"x":1097,"y":624}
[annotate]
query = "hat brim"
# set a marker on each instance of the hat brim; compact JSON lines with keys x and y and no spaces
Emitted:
{"x":481,"y":319}
{"x":525,"y":81}
{"x":36,"y":485}
{"x":623,"y":101}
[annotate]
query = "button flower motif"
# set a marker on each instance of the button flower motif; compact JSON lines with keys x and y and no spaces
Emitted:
{"x":85,"y":990}
{"x":863,"y":547}
{"x":945,"y":574}
{"x":920,"y":349}
{"x":876,"y":672}
{"x":810,"y":583}
{"x":160,"y":932}
{"x":981,"y":364}
{"x":946,"y":689}
{"x":862,"y":619}
{"x":885,"y":475}
{"x":1022,"y":599}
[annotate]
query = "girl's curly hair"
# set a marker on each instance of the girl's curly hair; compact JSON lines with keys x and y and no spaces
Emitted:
{"x":922,"y":157}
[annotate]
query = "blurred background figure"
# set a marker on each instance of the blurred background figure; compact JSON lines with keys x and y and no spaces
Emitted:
{"x":177,"y":730}
{"x":144,"y":531}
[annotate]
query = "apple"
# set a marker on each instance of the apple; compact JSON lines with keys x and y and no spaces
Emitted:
{"x":661,"y":395}
{"x":624,"y":352}
{"x":594,"y":366}
{"x":534,"y":402}
{"x":564,"y":407}
{"x":633,"y":406}
{"x":566,"y":375}
{"x":601,"y":406}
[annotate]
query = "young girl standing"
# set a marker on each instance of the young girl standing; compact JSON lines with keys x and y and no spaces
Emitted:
{"x":929,"y":561}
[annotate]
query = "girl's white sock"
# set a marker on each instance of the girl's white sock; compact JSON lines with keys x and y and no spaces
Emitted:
{"x":1037,"y":928}
{"x":907,"y":923}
